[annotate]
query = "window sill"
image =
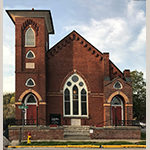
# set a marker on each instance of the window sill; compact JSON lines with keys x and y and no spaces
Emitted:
{"x":30,"y":46}
{"x":75,"y":116}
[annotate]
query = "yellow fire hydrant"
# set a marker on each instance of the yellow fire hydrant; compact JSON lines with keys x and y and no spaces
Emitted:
{"x":29,"y":138}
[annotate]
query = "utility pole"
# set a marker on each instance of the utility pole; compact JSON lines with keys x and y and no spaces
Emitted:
{"x":22,"y":107}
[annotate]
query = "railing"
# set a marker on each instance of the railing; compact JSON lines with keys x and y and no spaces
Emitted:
{"x":27,"y":122}
{"x":101,"y":124}
{"x":118,"y":123}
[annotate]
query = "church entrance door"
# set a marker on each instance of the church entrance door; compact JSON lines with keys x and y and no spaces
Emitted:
{"x":116,"y":115}
{"x":31,"y":112}
{"x":117,"y":112}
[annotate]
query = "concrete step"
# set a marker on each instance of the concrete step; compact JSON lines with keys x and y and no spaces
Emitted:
{"x":76,"y":137}
{"x":76,"y":132}
{"x":76,"y":128}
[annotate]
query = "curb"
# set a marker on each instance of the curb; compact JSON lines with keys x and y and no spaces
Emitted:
{"x":62,"y":146}
{"x":123,"y":146}
{"x":85,"y":146}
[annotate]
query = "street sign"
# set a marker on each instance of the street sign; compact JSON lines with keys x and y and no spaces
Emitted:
{"x":23,"y":106}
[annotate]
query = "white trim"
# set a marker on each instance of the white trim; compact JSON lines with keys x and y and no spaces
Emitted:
{"x":71,"y":96}
{"x":34,"y":38}
{"x":30,"y":85}
{"x":28,"y":53}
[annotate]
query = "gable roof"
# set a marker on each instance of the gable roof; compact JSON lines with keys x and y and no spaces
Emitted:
{"x":76,"y":36}
{"x":71,"y":37}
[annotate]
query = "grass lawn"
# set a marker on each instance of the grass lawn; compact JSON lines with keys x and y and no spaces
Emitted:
{"x":143,"y":136}
{"x":84,"y":143}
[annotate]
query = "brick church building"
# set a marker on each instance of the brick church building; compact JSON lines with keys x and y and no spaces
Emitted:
{"x":72,"y":83}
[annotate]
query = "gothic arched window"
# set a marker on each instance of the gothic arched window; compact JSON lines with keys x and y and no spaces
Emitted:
{"x":75,"y":96}
{"x":30,"y":38}
{"x":67,"y":101}
{"x":117,"y":85}
{"x":31,"y":99}
{"x":30,"y":82}
{"x":75,"y":100}
{"x":83,"y":102}
{"x":30,"y":55}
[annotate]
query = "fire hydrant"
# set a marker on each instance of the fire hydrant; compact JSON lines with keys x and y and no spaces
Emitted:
{"x":29,"y":138}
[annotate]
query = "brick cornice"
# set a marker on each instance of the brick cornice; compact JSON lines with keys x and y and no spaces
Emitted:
{"x":74,"y":36}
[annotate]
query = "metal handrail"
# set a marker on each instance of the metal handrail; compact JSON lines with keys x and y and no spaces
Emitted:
{"x":101,"y":124}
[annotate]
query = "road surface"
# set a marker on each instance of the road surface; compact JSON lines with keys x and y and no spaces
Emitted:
{"x":75,"y":149}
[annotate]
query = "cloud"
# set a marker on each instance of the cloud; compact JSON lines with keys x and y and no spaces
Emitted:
{"x":123,"y":37}
{"x":8,"y":55}
{"x":8,"y":69}
{"x":9,"y":84}
{"x":139,"y":44}
{"x":110,"y":35}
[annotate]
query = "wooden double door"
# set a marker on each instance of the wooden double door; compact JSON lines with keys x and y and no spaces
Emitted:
{"x":31,"y":111}
{"x":117,"y":115}
{"x":31,"y":114}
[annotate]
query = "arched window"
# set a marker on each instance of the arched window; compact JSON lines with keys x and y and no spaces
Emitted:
{"x":117,"y":85}
{"x":67,"y":101}
{"x":30,"y":55}
{"x":116,"y":101}
{"x":31,"y":99}
{"x":75,"y":101}
{"x":30,"y":82}
{"x":83,"y":102}
{"x":75,"y":96}
{"x":30,"y":37}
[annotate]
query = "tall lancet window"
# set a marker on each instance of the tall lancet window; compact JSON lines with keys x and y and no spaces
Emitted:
{"x":83,"y":102}
{"x":75,"y":101}
{"x":67,"y":101}
{"x":75,"y":97}
{"x":30,"y":38}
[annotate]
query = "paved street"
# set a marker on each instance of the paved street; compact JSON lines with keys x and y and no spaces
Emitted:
{"x":76,"y":149}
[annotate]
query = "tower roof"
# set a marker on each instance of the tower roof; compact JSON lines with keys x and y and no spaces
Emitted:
{"x":46,"y":14}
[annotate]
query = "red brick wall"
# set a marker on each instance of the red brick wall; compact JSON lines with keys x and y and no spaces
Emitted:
{"x":116,"y":133}
{"x":38,"y":74}
{"x":37,"y":133}
{"x":127,"y":89}
{"x":75,"y":56}
{"x":51,"y":133}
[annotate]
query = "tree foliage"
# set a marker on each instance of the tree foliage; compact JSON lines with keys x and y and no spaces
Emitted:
{"x":8,"y":105}
{"x":139,"y":95}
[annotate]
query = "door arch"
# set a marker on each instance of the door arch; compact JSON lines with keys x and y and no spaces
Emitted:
{"x":30,"y":115}
{"x":117,"y":110}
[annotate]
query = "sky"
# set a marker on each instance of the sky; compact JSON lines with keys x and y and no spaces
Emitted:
{"x":114,"y":26}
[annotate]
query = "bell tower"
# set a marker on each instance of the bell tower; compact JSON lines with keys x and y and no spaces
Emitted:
{"x":32,"y":29}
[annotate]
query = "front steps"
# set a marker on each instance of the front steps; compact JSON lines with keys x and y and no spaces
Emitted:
{"x":76,"y":133}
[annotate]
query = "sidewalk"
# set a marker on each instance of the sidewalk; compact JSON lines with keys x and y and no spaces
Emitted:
{"x":84,"y":146}
{"x":15,"y":144}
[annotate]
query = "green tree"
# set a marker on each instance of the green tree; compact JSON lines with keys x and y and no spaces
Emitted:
{"x":139,"y":95}
{"x":8,"y":105}
{"x":12,"y":100}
